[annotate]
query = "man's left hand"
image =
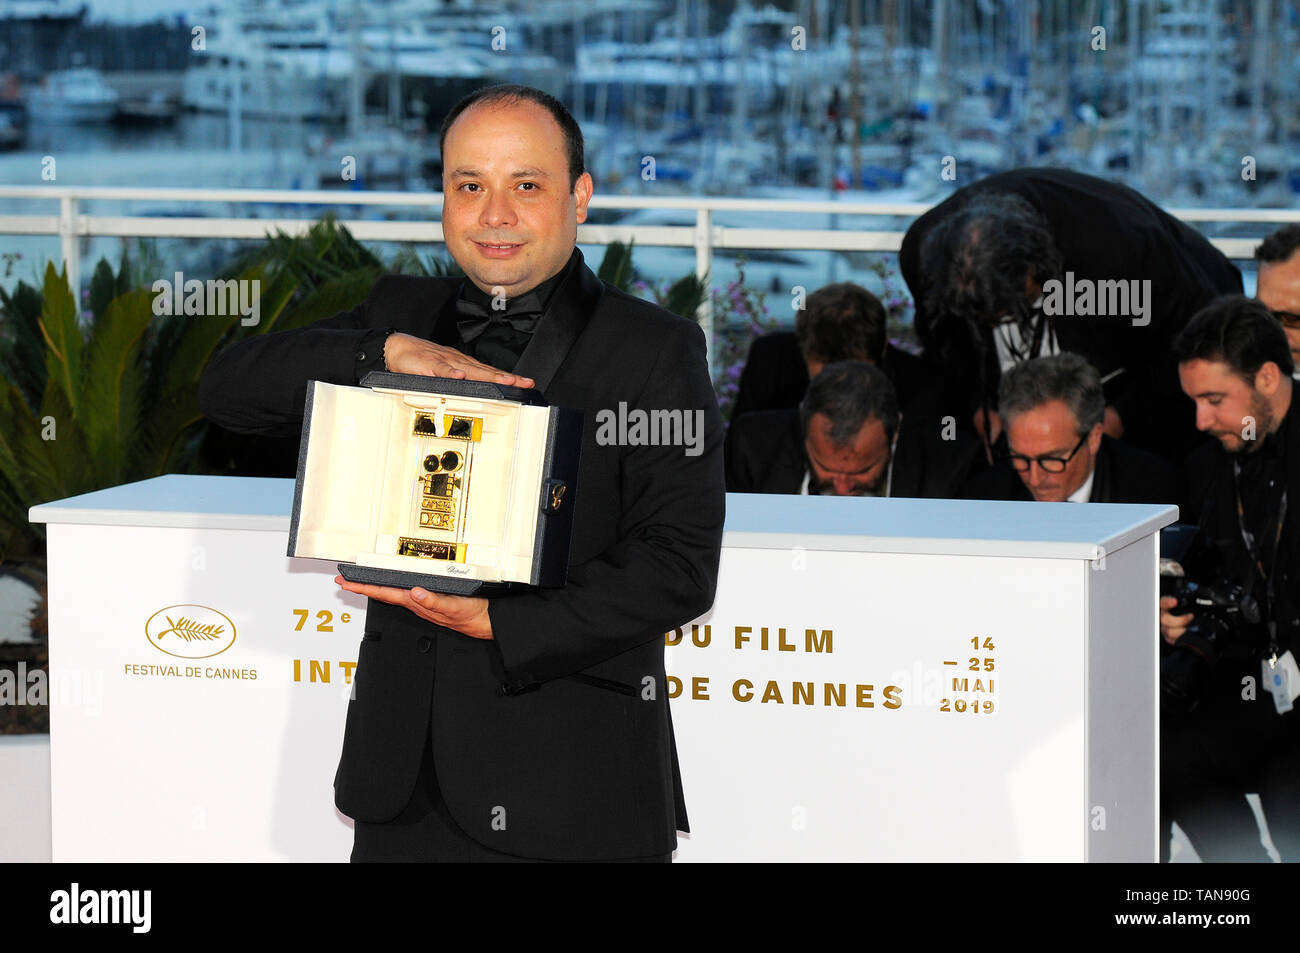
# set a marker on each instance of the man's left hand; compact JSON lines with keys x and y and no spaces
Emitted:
{"x":1113,"y":427}
{"x":468,"y":615}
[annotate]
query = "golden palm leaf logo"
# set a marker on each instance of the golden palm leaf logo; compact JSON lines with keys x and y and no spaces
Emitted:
{"x":190,"y":631}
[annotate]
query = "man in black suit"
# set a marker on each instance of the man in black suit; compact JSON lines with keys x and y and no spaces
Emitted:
{"x":840,"y":322}
{"x":1030,"y":262}
{"x":1052,"y":410}
{"x":848,"y":438}
{"x":533,"y":725}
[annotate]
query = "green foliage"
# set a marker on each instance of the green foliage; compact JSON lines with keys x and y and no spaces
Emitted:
{"x":407,"y":261}
{"x":685,"y":295}
{"x":61,"y":327}
{"x":90,"y":404}
{"x":616,"y":266}
{"x":22,"y":347}
{"x":105,"y":285}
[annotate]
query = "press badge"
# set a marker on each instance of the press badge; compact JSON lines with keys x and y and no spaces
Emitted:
{"x":1282,"y":678}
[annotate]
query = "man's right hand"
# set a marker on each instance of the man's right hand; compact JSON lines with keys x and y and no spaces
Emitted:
{"x":988,"y":424}
{"x":407,"y":354}
{"x":1172,"y":626}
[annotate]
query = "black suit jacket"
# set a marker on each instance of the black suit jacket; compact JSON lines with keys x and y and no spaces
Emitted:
{"x":1121,"y":474}
{"x":553,"y":740}
{"x":1103,"y":231}
{"x":765,"y":454}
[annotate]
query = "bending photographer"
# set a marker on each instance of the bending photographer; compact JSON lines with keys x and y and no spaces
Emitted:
{"x":980,"y":265}
{"x":1229,"y":674}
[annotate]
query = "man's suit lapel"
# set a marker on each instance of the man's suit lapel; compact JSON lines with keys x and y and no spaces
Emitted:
{"x":566,"y":317}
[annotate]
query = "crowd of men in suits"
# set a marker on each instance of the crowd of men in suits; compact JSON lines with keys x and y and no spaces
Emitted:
{"x":1079,"y":344}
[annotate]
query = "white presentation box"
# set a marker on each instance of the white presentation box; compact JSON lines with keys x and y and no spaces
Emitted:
{"x":458,"y":486}
{"x":877,"y":680}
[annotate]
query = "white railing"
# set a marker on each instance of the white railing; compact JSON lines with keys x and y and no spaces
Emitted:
{"x":70,"y":224}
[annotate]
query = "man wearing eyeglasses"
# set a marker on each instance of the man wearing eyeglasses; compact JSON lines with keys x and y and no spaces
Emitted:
{"x":1278,"y":288}
{"x":1053,"y":410}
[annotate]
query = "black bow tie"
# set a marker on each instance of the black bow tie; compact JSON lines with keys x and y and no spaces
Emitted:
{"x":521,"y":313}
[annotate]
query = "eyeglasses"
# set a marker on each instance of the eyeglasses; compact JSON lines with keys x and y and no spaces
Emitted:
{"x":1022,"y":463}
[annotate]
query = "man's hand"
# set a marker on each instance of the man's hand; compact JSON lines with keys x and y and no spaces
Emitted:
{"x":1113,"y":426}
{"x":988,"y":424}
{"x":408,"y":354}
{"x":468,"y":615}
{"x":1172,"y":626}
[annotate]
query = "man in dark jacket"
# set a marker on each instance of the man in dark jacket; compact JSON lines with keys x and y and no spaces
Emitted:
{"x":533,"y":725}
{"x":1035,"y":261}
{"x":1228,"y":725}
{"x":840,"y":322}
{"x":848,"y":438}
{"x":1052,"y":409}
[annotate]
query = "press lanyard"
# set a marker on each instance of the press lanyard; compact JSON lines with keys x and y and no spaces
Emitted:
{"x":1255,"y":555}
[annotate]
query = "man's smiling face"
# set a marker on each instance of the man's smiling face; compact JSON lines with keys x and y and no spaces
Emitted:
{"x":509,"y":218}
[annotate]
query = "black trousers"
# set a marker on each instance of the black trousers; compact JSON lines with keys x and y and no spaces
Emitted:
{"x":1211,"y":759}
{"x":426,"y":833}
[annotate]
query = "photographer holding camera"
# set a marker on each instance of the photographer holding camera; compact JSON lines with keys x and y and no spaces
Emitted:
{"x":1232,"y":627}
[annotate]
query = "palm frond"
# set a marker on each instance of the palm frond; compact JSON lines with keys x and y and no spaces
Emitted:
{"x":61,"y":326}
{"x":110,"y":414}
{"x":22,"y":357}
{"x":685,"y":295}
{"x":339,"y":294}
{"x":616,"y":266}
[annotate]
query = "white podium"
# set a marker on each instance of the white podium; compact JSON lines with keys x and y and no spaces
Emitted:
{"x":924,"y":680}
{"x":877,"y":680}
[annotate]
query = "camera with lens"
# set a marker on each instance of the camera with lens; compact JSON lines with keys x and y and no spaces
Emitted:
{"x":1223,"y":611}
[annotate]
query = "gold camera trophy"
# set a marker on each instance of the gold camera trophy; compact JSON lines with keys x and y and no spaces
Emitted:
{"x":457,"y":486}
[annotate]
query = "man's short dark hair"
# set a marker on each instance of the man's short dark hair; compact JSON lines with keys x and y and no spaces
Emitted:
{"x":1239,"y":332}
{"x":976,"y":261}
{"x":850,"y":393}
{"x":841,"y":322}
{"x":1279,"y":246}
{"x":1064,"y":377}
{"x":513,"y":93}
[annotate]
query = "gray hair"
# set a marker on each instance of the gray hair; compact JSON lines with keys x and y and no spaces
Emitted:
{"x":850,"y":393}
{"x":1064,"y":377}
